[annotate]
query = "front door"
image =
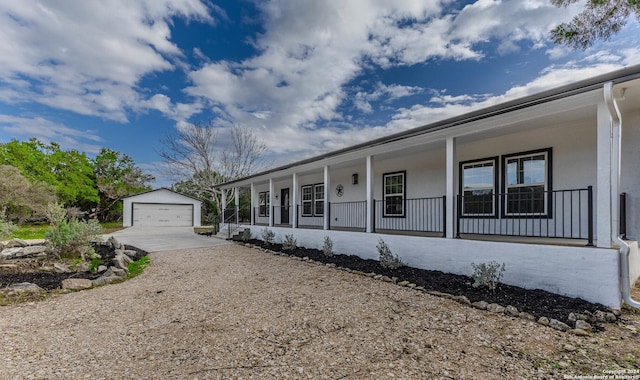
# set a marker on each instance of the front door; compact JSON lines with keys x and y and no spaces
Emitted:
{"x":284,"y":206}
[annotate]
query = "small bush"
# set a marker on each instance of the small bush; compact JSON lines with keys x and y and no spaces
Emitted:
{"x":290,"y":243}
{"x":246,"y":235}
{"x":137,"y":267}
{"x":6,"y":230}
{"x":487,"y":274}
{"x":268,"y":236}
{"x":71,"y":237}
{"x":387,"y":258}
{"x":327,"y":247}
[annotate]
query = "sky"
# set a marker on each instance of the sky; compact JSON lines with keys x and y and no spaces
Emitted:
{"x":308,"y":77}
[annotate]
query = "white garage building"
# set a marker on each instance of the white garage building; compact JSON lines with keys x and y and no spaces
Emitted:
{"x":161,"y":207}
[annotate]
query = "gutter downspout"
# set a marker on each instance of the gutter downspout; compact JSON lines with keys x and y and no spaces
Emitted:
{"x":616,"y":120}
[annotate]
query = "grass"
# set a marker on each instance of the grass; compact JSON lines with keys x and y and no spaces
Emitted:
{"x":38,"y":230}
{"x":137,"y":267}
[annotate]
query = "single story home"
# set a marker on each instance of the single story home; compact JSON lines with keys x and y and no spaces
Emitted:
{"x":548,"y":184}
{"x":161,"y":208}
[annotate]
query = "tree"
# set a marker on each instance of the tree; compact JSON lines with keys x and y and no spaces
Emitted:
{"x":600,"y":19}
{"x":117,"y":176}
{"x":20,"y":198}
{"x":196,"y":156}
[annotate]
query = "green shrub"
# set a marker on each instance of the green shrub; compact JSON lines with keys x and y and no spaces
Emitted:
{"x":327,"y":247}
{"x":387,"y":258}
{"x":246,"y":235}
{"x":137,"y":267}
{"x":268,"y":236}
{"x":6,"y":229}
{"x":487,"y":274}
{"x":71,"y":237}
{"x":290,"y":243}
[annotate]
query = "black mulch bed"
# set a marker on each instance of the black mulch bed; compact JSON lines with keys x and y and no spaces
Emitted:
{"x":536,"y":302}
{"x":50,"y":281}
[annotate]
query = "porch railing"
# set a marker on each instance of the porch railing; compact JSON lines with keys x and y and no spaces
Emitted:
{"x":623,"y":216}
{"x":348,"y":215}
{"x":282,"y":215}
{"x":413,"y":215}
{"x":261,"y":215}
{"x":564,"y":214}
{"x":309,"y":220}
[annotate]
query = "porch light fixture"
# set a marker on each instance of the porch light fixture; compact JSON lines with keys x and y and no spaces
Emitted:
{"x":354,"y":179}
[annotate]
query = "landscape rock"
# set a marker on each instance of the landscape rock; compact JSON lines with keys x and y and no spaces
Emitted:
{"x":115,"y":271}
{"x":583,"y":325}
{"x":579,"y":332}
{"x":103,"y":280}
{"x":8,"y":266}
{"x":9,"y":253}
{"x":495,"y":308}
{"x":101,"y":268}
{"x":61,"y":268}
{"x":527,"y":316}
{"x":462,"y":299}
{"x":403,"y":283}
{"x":76,"y":283}
{"x":16,"y":243}
{"x":30,"y":251}
{"x":24,"y":287}
{"x":556,"y":324}
{"x":512,"y":311}
{"x":543,"y":321}
{"x":114,"y":243}
{"x":122,"y":261}
{"x":602,"y":316}
{"x":577,"y":316}
{"x":482,"y":305}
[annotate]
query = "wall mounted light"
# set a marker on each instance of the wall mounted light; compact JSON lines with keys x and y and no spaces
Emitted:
{"x":354,"y":178}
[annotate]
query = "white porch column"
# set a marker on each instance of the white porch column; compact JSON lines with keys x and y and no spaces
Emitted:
{"x":450,"y":203}
{"x":294,"y":222}
{"x":370,"y":200}
{"x":270,"y":210}
{"x":224,"y":202}
{"x":236,"y":191}
{"x":252,"y":204}
{"x":603,"y":204}
{"x":326,"y":198}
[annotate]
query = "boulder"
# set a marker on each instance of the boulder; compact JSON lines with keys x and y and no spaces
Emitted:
{"x":482,"y":305}
{"x":61,"y":268}
{"x":31,"y":251}
{"x":24,"y":287}
{"x":131,"y":253}
{"x":76,"y":283}
{"x":495,"y":308}
{"x":16,"y":243}
{"x":122,"y":261}
{"x":556,"y":324}
{"x":114,"y":271}
{"x":511,"y":311}
{"x":9,"y":253}
{"x":583,"y":325}
{"x":103,"y":280}
{"x":114,"y":243}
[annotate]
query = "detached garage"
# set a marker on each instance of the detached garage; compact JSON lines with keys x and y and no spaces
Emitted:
{"x":161,"y":208}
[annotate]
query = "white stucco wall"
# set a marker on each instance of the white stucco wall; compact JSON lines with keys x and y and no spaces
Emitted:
{"x":587,"y":273}
{"x":159,"y":196}
{"x":630,"y":182}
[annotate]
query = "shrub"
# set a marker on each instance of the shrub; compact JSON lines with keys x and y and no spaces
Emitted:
{"x":6,"y":229}
{"x":290,"y":243}
{"x":327,"y":247}
{"x":268,"y":236}
{"x":387,"y":258}
{"x":487,"y":274}
{"x":71,"y":237}
{"x":246,"y":235}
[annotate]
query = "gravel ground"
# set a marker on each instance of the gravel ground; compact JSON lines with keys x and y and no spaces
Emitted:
{"x":233,"y":312}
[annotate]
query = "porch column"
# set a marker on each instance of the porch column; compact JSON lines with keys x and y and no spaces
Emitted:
{"x":450,"y":204}
{"x":251,"y":203}
{"x":294,"y":222}
{"x":327,"y":211}
{"x":270,"y":209}
{"x":370,"y":200}
{"x":224,"y":202}
{"x":236,"y":191}
{"x":603,"y":204}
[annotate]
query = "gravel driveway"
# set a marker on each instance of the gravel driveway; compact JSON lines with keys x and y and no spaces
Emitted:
{"x":233,"y":312}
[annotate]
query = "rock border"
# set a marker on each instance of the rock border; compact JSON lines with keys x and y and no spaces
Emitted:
{"x":583,"y":323}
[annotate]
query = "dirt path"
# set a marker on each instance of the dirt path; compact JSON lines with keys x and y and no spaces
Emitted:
{"x":233,"y":312}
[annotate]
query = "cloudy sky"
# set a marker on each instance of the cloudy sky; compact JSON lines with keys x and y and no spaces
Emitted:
{"x":306,"y":76}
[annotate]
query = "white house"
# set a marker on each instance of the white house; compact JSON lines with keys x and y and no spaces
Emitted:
{"x":161,"y":207}
{"x":545,"y":184}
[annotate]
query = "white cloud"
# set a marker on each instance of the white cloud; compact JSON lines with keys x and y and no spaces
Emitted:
{"x":49,"y":131}
{"x":85,"y":56}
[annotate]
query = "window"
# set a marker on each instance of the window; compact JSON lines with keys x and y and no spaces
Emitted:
{"x":307,"y":200}
{"x":264,"y":203}
{"x":313,"y":200}
{"x":479,"y":187}
{"x":527,"y":181}
{"x":394,"y":194}
{"x":318,"y":199}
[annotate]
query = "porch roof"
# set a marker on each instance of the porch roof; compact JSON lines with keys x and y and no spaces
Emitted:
{"x":585,"y":90}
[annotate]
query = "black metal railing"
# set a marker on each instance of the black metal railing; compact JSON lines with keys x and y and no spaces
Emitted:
{"x":348,"y":215}
{"x":261,"y":215}
{"x":623,"y":216}
{"x":306,"y":218}
{"x":282,"y":215}
{"x":551,"y":214}
{"x":414,"y":215}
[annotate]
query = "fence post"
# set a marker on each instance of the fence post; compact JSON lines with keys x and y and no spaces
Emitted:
{"x":328,"y":215}
{"x":444,"y":216}
{"x":623,"y":216}
{"x":590,"y":215}
{"x":458,"y":214}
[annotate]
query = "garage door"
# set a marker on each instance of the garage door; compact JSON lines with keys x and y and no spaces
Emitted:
{"x":170,"y":215}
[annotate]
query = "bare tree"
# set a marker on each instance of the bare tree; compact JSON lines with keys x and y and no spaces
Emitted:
{"x":195,"y":154}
